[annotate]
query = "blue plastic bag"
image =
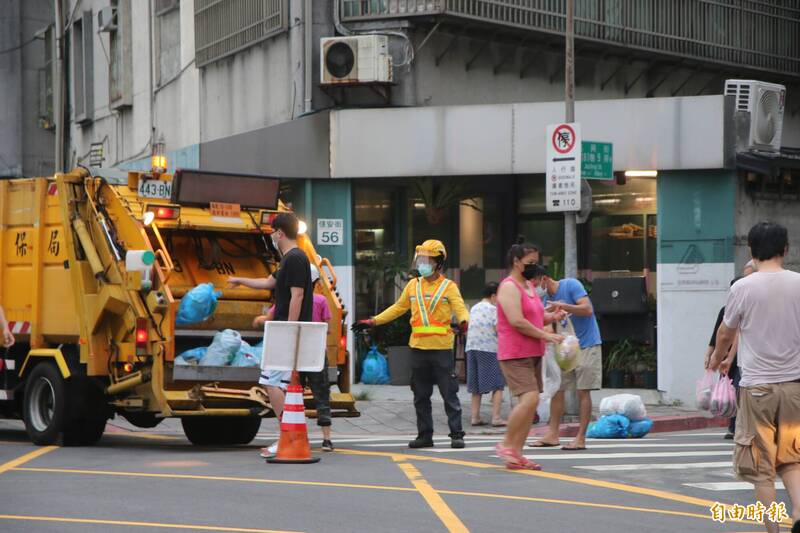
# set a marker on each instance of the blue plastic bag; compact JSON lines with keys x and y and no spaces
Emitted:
{"x":609,"y":427}
{"x":193,"y":356}
{"x":640,"y":428}
{"x":375,"y":368}
{"x":197,"y":305}
{"x":222,"y":349}
{"x":247,"y":356}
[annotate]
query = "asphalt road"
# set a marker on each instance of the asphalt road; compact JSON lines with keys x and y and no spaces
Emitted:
{"x":159,"y":482}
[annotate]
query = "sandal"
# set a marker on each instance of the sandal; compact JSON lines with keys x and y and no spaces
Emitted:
{"x":475,"y":423}
{"x":513,"y":460}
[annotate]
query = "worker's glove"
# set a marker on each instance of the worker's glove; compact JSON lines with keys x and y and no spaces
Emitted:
{"x":363,"y":325}
{"x":463,"y":327}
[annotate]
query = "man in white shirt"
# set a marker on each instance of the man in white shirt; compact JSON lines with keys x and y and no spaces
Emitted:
{"x":765,"y":308}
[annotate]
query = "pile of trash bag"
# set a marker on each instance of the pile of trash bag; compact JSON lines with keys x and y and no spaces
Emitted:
{"x":197,"y":305}
{"x":375,"y":368}
{"x":629,"y":405}
{"x":226,"y":349}
{"x":623,"y":416}
{"x":618,"y":426}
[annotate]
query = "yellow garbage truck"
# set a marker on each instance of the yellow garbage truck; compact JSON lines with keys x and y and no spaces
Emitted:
{"x":93,"y":267}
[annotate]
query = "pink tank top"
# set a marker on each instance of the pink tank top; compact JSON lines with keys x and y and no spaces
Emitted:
{"x":511,"y":344}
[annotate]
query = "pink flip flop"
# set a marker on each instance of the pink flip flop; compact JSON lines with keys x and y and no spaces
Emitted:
{"x":513,"y":460}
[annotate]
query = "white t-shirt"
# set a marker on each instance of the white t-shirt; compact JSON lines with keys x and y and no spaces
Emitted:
{"x":765,"y":307}
{"x":482,"y":332}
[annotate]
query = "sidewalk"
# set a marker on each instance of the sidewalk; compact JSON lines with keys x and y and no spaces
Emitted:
{"x":390,"y":410}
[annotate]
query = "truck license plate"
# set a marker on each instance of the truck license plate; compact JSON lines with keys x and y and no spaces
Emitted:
{"x":161,"y":190}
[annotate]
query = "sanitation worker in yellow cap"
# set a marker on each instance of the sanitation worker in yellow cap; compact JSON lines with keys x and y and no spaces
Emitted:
{"x":433,"y":300}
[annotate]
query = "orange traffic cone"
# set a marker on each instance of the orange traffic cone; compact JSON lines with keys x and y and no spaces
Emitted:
{"x":293,"y":446}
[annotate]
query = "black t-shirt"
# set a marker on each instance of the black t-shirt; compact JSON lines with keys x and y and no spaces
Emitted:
{"x":713,"y":341}
{"x":294,"y":271}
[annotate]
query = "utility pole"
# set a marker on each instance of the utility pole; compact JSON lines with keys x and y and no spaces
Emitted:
{"x":58,"y":89}
{"x":570,"y":222}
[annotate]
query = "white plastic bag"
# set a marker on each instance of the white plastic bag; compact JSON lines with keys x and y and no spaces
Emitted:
{"x":567,"y":351}
{"x":704,"y":388}
{"x":629,"y":405}
{"x":551,"y":375}
{"x":222,"y":349}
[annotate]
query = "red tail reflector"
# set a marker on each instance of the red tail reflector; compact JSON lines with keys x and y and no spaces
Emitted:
{"x":142,"y":333}
{"x":167,"y":212}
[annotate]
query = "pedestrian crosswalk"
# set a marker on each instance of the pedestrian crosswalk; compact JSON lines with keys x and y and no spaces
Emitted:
{"x":699,"y":462}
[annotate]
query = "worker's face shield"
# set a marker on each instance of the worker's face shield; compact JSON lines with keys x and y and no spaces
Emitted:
{"x":425,"y":265}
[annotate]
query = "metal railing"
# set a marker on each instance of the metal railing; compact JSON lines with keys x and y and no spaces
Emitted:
{"x":224,"y":27}
{"x":751,"y":33}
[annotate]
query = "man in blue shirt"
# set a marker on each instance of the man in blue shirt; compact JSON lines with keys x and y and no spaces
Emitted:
{"x":569,"y":295}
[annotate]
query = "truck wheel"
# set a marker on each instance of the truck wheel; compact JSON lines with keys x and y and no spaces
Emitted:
{"x":44,"y":405}
{"x":244,"y":430}
{"x":207,"y":431}
{"x":142,"y":419}
{"x":84,"y":431}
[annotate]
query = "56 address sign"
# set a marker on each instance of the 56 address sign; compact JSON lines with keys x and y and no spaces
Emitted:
{"x":330,"y":232}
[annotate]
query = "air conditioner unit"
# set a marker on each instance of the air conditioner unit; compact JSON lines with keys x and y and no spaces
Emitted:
{"x":354,"y":60}
{"x":107,"y":19}
{"x":764,"y":102}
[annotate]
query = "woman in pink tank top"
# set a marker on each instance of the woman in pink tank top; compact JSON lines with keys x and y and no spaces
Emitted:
{"x":521,"y":339}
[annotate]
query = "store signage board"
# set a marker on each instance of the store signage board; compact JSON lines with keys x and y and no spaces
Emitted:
{"x":563,"y":189}
{"x":597,"y":160}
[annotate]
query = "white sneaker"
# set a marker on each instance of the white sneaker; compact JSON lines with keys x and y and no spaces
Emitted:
{"x":270,"y":451}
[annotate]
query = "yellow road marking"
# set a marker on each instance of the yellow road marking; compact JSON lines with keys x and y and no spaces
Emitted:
{"x":138,"y":524}
{"x":364,"y":486}
{"x":216,"y":478}
{"x":561,"y":477}
{"x":25,"y":458}
{"x":434,"y":501}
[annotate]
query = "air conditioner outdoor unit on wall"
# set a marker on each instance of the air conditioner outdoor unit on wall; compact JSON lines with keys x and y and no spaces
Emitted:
{"x":765,"y":104}
{"x":355,"y":59}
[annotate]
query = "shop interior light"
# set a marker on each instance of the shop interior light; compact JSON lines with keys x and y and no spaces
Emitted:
{"x":302,"y":228}
{"x":641,"y":173}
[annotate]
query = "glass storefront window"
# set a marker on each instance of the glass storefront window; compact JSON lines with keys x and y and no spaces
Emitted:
{"x":620,"y":236}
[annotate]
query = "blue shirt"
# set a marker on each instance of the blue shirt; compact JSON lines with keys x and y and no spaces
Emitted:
{"x":570,"y":290}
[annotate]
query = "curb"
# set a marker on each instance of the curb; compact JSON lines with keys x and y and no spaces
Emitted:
{"x":661,"y":424}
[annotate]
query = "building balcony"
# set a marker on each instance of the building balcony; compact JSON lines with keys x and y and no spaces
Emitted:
{"x":734,"y":35}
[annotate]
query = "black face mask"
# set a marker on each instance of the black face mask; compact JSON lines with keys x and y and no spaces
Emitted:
{"x":531,"y":271}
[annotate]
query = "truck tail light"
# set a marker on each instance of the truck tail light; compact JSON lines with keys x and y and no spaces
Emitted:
{"x":343,"y":339}
{"x":142,"y":333}
{"x":268,"y":218}
{"x":163,"y":212}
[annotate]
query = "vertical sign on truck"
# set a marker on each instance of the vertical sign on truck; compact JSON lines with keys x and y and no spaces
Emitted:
{"x":563,"y":190}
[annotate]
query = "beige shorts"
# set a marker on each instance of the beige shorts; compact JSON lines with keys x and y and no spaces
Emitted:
{"x":522,"y":375}
{"x":767,"y":439}
{"x":588,"y":375}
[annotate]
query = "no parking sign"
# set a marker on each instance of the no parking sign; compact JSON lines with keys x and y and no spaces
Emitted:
{"x":563,"y":189}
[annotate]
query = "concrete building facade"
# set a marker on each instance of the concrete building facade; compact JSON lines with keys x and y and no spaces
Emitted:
{"x":235,"y":86}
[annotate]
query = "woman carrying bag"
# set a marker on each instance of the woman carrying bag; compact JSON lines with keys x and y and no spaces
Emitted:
{"x":521,"y":321}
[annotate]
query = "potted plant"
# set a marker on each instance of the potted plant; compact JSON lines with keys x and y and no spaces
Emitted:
{"x":648,"y":362}
{"x":439,"y":196}
{"x":618,"y":363}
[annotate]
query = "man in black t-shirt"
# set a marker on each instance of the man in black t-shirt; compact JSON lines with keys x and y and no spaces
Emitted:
{"x":294,"y":302}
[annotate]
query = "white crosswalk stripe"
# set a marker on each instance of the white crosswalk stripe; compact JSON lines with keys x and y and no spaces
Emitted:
{"x":575,"y":456}
{"x":593,"y":446}
{"x":656,"y":466}
{"x":728,"y":485}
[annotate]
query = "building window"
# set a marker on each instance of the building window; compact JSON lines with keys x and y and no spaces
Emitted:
{"x":83,"y":69}
{"x":120,"y":77}
{"x":225,"y":27}
{"x":168,"y":40}
{"x":46,"y":82}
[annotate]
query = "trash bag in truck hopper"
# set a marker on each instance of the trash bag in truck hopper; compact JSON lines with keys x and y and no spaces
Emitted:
{"x":248,"y":356}
{"x":197,"y":305}
{"x":222,"y":349}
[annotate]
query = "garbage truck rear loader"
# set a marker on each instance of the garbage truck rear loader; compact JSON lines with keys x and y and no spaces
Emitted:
{"x":92,"y":273}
